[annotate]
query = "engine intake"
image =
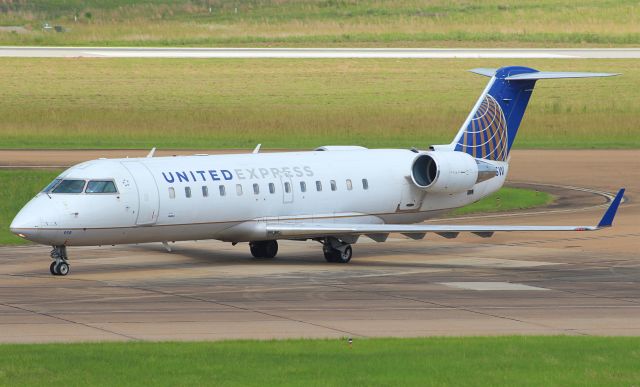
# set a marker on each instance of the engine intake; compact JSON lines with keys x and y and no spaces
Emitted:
{"x":444,"y":171}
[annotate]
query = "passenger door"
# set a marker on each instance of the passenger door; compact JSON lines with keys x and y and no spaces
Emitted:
{"x":148,"y":196}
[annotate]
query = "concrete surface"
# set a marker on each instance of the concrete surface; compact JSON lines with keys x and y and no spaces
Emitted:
{"x":211,"y":290}
{"x":425,"y":53}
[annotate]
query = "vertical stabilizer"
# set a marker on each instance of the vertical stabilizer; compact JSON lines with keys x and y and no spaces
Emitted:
{"x":491,"y":128}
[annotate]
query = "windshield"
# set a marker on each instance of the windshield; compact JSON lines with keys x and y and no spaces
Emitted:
{"x":69,"y":186}
{"x":101,"y":186}
{"x":51,"y":185}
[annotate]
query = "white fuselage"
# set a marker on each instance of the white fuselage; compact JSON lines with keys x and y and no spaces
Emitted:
{"x":180,"y":198}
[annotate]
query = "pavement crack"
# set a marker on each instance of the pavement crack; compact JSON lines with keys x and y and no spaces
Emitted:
{"x":459,"y":308}
{"x":229,"y":305}
{"x":69,"y":321}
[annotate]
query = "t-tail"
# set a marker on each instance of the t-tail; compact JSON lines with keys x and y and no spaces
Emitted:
{"x":492,"y":125}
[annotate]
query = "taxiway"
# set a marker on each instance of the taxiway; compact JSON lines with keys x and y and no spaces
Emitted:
{"x":516,"y":283}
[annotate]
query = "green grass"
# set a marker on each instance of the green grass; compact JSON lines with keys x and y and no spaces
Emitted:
{"x":326,"y":22}
{"x":16,"y":189}
{"x":507,"y":199}
{"x":20,"y":185}
{"x":297,"y":103}
{"x":460,"y":361}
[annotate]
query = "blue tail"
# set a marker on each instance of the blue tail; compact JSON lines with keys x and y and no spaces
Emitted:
{"x":491,"y":128}
{"x":489,"y":131}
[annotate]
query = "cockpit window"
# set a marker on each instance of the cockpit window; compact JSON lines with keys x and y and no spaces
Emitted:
{"x":69,"y":186}
{"x":51,"y":185}
{"x":101,"y":186}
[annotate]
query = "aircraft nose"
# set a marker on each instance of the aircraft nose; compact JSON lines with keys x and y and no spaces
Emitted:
{"x":28,"y":221}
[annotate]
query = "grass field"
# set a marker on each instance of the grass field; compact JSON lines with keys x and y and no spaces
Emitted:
{"x":17,"y":188}
{"x":460,"y":361}
{"x":507,"y":199}
{"x":325,"y":22}
{"x":297,"y":103}
{"x":20,"y":185}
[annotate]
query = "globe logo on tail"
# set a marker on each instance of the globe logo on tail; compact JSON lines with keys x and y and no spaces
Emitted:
{"x":486,"y":134}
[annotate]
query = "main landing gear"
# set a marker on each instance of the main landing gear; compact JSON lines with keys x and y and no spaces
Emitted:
{"x":336,"y":251}
{"x":264,"y":249}
{"x":60,"y":264}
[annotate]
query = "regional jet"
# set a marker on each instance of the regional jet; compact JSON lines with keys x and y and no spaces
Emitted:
{"x":333,"y":194}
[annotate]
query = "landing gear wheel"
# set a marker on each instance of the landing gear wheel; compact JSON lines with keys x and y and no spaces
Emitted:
{"x":256,"y":249}
{"x":63,"y":268}
{"x":344,"y":256}
{"x":339,"y":255}
{"x":329,"y":256}
{"x":264,"y":249}
{"x":270,"y":249}
{"x":59,"y":266}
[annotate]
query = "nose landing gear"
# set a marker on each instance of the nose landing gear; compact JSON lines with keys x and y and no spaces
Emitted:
{"x":59,"y":266}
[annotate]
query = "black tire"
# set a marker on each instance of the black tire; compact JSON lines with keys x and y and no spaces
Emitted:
{"x":329,"y":256}
{"x":264,"y":249}
{"x":270,"y":249}
{"x":62,"y":268}
{"x":52,"y":268}
{"x":257,"y":249}
{"x":344,"y":256}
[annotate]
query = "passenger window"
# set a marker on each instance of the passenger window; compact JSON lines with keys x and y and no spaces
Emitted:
{"x":272,"y":188}
{"x":287,"y":187}
{"x":205,"y":191}
{"x":365,"y":184}
{"x":303,"y":186}
{"x":223,"y":191}
{"x":172,"y":193}
{"x":69,"y":186}
{"x":101,"y":186}
{"x":256,"y":188}
{"x":334,"y":186}
{"x":239,"y":189}
{"x":318,"y":185}
{"x":187,"y":192}
{"x":349,"y":185}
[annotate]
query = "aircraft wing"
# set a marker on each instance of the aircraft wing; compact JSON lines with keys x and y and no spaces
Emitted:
{"x":417,"y":231}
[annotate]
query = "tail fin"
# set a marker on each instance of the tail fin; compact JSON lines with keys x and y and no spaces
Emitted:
{"x":491,"y":128}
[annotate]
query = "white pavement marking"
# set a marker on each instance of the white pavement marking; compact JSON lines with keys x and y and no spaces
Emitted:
{"x":424,"y":53}
{"x":325,"y":54}
{"x":490,"y":286}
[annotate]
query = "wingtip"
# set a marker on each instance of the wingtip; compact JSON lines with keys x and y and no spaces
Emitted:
{"x":607,"y":218}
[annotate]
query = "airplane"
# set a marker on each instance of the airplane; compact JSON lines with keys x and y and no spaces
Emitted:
{"x":333,"y":195}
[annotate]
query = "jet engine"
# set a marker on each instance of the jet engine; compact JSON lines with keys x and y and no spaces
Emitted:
{"x":448,"y":171}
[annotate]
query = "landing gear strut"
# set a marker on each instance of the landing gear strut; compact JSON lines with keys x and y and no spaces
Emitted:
{"x":60,"y":264}
{"x":264,"y":249}
{"x":336,"y":251}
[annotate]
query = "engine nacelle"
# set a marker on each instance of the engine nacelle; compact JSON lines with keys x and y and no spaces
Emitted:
{"x":444,"y":171}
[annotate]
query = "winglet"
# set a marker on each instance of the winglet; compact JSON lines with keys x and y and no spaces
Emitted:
{"x":152,"y":152}
{"x":256,"y":149}
{"x":607,"y":218}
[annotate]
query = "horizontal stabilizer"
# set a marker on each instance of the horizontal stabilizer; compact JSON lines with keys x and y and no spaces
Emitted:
{"x":535,"y":75}
{"x":491,"y":127}
{"x":556,"y":75}
{"x":484,"y":71}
